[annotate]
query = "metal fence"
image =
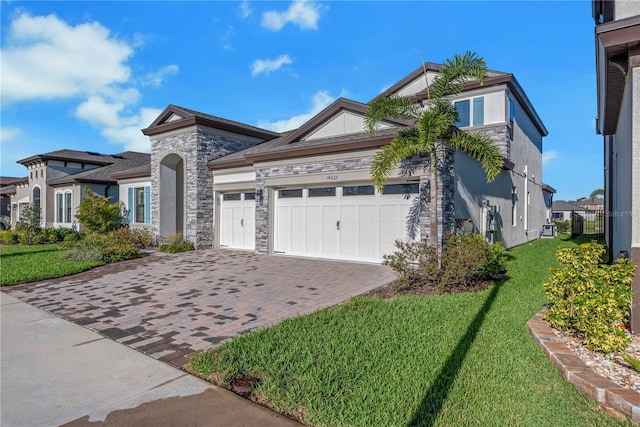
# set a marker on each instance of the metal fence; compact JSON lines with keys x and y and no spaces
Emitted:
{"x":587,"y":224}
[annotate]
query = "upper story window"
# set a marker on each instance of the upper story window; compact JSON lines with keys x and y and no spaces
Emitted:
{"x":511,"y":111}
{"x":36,"y":197}
{"x":470,"y":112}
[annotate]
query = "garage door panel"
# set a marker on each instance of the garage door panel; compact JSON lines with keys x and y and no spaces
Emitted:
{"x":353,"y":227}
{"x":237,"y":223}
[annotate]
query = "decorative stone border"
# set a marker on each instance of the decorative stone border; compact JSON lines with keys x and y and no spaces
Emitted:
{"x":610,"y":395}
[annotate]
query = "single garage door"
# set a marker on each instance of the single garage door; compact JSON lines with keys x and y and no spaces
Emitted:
{"x":352,"y":222}
{"x":237,"y":220}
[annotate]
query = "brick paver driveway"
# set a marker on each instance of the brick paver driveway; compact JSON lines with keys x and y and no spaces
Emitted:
{"x":170,"y":306}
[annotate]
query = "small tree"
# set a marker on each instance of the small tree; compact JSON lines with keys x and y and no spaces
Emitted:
{"x":97,"y":214}
{"x":30,"y":222}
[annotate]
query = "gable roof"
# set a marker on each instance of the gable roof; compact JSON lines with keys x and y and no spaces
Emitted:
{"x":493,"y":78}
{"x":561,"y":205}
{"x":120,"y":162}
{"x":174,"y":117}
{"x":341,"y":104}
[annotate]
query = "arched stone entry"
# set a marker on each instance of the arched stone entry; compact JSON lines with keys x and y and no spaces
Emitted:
{"x":171,"y":191}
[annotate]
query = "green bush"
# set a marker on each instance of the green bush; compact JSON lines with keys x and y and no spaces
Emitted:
{"x":591,"y":297}
{"x":140,"y":238}
{"x":10,"y":237}
{"x":107,"y":248}
{"x":465,"y":260}
{"x":98,"y":215}
{"x":563,"y":227}
{"x":29,"y":225}
{"x":175,"y":244}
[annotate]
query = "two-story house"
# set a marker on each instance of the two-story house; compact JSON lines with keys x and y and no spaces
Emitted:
{"x":308,"y":192}
{"x":56,"y":182}
{"x":617,"y":39}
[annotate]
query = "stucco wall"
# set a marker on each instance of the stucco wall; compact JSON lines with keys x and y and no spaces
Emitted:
{"x":622,"y":177}
{"x":626,"y":9}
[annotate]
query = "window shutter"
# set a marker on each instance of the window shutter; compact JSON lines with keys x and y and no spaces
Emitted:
{"x":147,"y":205}
{"x":478,"y":111}
{"x":130,"y":205}
{"x":463,"y":113}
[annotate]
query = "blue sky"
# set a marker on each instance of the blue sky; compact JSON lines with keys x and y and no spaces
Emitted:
{"x":89,"y":75}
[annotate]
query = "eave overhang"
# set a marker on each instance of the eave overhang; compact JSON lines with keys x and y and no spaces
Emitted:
{"x":617,"y":43}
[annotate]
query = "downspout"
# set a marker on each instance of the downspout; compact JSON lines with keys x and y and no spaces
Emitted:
{"x":526,"y":199}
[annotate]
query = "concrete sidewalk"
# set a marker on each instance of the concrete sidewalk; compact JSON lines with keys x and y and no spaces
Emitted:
{"x":55,"y":372}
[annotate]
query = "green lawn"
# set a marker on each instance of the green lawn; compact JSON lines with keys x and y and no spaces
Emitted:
{"x":21,"y":264}
{"x":452,"y":360}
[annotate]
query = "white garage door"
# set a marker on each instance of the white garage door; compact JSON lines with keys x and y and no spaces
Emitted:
{"x":350,"y":222}
{"x":237,"y":220}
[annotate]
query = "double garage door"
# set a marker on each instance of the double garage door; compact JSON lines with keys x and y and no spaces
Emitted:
{"x":352,"y":222}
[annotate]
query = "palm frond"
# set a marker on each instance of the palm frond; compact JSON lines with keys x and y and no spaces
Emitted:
{"x":455,"y":72}
{"x":482,"y":148}
{"x":388,"y":107}
{"x":405,"y":144}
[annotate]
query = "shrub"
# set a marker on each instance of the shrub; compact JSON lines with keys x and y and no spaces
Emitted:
{"x":107,"y":248}
{"x":10,"y":237}
{"x":563,"y":227}
{"x":29,"y":224}
{"x":591,"y":297}
{"x":98,"y":215}
{"x":465,"y":260}
{"x":140,"y":238}
{"x":175,"y":244}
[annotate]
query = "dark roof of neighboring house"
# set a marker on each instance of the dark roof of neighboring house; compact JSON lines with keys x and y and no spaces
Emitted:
{"x":10,"y":180}
{"x":8,"y":189}
{"x":137,"y":172}
{"x":119,"y":163}
{"x":561,"y":205}
{"x":192,"y":117}
{"x":76,"y":156}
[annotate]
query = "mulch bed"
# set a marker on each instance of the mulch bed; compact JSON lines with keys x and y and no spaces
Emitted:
{"x":424,"y":287}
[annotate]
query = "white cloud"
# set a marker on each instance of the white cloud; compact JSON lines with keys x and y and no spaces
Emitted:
{"x":227,"y":36}
{"x":321,"y":100}
{"x":8,"y":134}
{"x":116,"y":126}
{"x":128,"y":132}
{"x":269,"y":65}
{"x":156,"y":78}
{"x":245,"y":10}
{"x":548,"y":156}
{"x":45,"y":58}
{"x":302,"y":13}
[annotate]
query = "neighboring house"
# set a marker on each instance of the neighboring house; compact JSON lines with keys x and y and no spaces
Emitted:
{"x":617,"y":34}
{"x":7,"y":188}
{"x":595,"y":205}
{"x":308,"y":192}
{"x":57,"y":180}
{"x":548,"y":192}
{"x":561,"y":210}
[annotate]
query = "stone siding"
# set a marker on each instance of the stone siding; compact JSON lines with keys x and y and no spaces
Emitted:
{"x":501,"y":135}
{"x":196,"y":148}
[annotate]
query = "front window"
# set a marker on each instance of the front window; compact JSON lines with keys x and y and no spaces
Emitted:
{"x":463,"y":113}
{"x":36,"y":197}
{"x":60,"y":207}
{"x":140,"y":206}
{"x":68,"y":211}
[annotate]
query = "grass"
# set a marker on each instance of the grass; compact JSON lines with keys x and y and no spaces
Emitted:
{"x":21,"y":264}
{"x":462,"y":359}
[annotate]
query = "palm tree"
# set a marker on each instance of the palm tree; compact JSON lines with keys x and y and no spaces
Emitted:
{"x":433,"y":135}
{"x":595,"y":193}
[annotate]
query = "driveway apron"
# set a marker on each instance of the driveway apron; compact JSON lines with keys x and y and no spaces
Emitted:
{"x":170,"y":306}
